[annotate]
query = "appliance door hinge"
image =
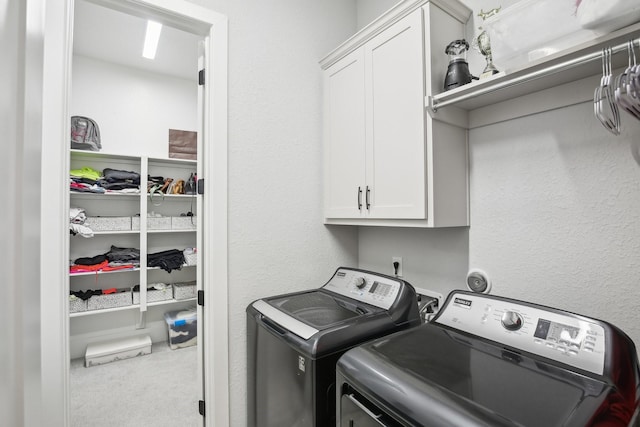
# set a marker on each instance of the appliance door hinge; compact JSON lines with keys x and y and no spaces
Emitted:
{"x":201,"y":77}
{"x":201,"y":407}
{"x":200,"y":186}
{"x":201,"y":298}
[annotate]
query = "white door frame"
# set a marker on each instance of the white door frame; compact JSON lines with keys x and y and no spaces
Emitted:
{"x":54,"y":287}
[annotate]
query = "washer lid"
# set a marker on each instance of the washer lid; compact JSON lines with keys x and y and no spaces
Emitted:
{"x":441,"y":377}
{"x":307,"y":313}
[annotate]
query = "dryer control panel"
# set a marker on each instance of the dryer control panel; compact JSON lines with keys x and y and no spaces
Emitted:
{"x":370,"y":288}
{"x":565,"y":337}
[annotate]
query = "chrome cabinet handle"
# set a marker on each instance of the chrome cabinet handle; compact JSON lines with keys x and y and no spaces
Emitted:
{"x":359,"y":198}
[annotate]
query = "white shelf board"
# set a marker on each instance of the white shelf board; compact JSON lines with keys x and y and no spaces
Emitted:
{"x":193,"y":230}
{"x":128,"y":307}
{"x":183,"y":266}
{"x":175,"y":196}
{"x":169,"y":301}
{"x":77,"y":194}
{"x":172,"y":162}
{"x":508,"y":85}
{"x":102,"y":155}
{"x":111,"y":233}
{"x":90,"y":273}
{"x":104,"y":310}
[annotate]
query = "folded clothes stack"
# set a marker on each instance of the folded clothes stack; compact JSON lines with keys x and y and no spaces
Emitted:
{"x":116,"y":259}
{"x":172,"y":259}
{"x":89,"y":180}
{"x":77,"y":217}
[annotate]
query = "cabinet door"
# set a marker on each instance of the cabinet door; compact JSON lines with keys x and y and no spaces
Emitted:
{"x":344,"y":136}
{"x":396,"y":160}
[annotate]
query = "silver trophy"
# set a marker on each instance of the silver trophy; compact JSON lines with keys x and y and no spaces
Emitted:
{"x":483,"y":44}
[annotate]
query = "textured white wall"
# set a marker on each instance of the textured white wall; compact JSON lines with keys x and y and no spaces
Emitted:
{"x":555,"y":204}
{"x":368,"y":10}
{"x":277,"y":241}
{"x":137,"y":108}
{"x":433,"y":259}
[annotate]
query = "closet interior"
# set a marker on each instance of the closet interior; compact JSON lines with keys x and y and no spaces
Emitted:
{"x":134,"y":233}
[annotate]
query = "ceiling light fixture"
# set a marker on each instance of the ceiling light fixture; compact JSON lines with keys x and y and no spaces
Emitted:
{"x":151,"y":39}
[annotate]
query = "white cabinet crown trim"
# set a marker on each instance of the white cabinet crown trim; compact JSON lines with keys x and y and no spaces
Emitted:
{"x":455,"y":9}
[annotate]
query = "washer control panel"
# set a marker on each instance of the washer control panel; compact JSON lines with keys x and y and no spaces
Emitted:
{"x":557,"y":335}
{"x":370,"y":288}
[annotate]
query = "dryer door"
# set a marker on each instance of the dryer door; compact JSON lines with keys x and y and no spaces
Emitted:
{"x":355,"y":414}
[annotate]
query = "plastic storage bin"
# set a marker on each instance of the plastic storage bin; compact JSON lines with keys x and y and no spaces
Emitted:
{"x":182,"y":327}
{"x":607,"y":15}
{"x":532,"y":29}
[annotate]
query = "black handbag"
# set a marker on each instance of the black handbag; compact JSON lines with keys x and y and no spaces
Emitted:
{"x":190,"y":185}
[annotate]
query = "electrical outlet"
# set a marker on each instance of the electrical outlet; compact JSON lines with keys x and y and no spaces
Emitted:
{"x":396,"y":272}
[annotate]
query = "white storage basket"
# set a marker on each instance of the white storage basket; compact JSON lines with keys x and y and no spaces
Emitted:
{"x":108,"y":223}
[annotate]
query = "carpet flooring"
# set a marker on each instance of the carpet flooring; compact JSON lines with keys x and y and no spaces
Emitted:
{"x":155,"y":390}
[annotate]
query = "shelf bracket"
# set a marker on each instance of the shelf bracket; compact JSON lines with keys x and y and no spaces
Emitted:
{"x":430,"y":105}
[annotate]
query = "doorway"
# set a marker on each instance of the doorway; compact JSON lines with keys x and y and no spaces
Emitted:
{"x":212,"y":145}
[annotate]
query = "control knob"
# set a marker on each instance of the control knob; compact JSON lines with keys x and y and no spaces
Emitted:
{"x":360,"y":282}
{"x":512,"y":321}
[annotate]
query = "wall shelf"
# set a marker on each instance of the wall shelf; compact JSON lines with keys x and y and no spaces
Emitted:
{"x":193,"y":230}
{"x":87,"y":194}
{"x":91,"y":273}
{"x":563,"y":67}
{"x":104,"y":310}
{"x":128,"y":307}
{"x":115,"y":233}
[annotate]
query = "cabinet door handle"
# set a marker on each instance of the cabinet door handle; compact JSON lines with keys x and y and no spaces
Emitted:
{"x":367,"y":198}
{"x":359,"y":198}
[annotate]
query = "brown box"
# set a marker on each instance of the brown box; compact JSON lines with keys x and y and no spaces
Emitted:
{"x":183,"y":144}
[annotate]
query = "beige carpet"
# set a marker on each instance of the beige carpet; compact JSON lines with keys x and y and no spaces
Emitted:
{"x":159,"y":389}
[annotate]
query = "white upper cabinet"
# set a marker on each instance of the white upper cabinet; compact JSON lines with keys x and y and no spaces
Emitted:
{"x":395,"y":158}
{"x":344,"y":98}
{"x":386,"y":162}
